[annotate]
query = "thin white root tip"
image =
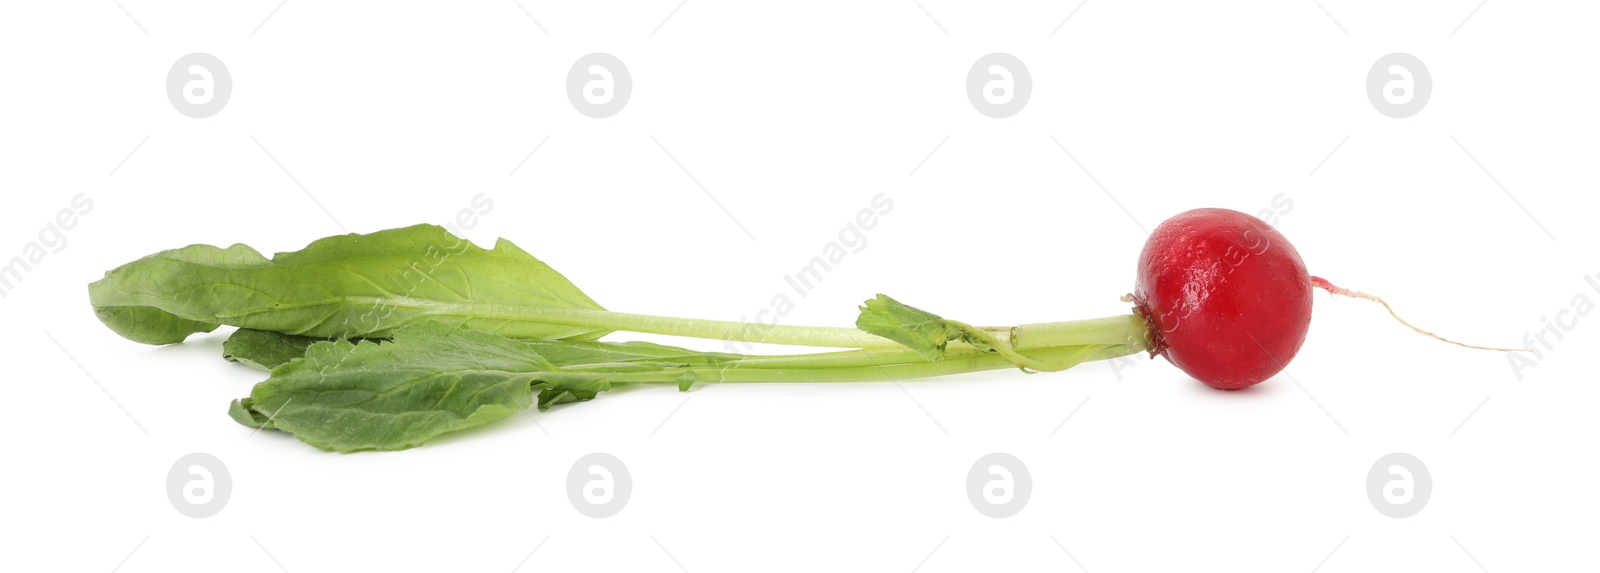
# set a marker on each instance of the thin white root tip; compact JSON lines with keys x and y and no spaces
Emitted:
{"x":1323,"y":284}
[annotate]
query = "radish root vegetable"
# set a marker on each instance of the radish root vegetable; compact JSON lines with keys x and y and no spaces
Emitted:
{"x":387,"y":340}
{"x":1228,"y":299}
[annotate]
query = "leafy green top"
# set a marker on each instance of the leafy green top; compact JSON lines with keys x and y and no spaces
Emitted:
{"x":265,"y":349}
{"x":387,"y":340}
{"x":343,"y":286}
{"x":433,"y":378}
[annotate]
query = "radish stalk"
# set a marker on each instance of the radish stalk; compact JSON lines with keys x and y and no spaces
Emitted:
{"x":862,"y":367}
{"x":433,"y":378}
{"x":1109,"y":330}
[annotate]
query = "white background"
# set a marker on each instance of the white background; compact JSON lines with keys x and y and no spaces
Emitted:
{"x":793,"y":117}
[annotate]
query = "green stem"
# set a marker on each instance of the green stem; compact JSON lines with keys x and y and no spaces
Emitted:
{"x":820,"y":336}
{"x":838,"y":359}
{"x":845,"y":367}
{"x":1121,"y":329}
{"x":1115,"y":330}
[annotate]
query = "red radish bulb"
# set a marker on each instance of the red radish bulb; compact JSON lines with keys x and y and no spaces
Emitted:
{"x":1227,"y":298}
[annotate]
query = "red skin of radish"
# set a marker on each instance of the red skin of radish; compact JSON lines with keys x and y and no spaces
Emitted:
{"x":1227,"y":298}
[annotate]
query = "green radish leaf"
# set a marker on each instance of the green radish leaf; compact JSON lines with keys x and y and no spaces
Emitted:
{"x":346,"y":286}
{"x":152,"y":324}
{"x":433,"y":378}
{"x":265,"y":349}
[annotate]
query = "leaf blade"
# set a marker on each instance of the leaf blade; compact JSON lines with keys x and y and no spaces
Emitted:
{"x":345,"y":286}
{"x":265,"y":349}
{"x":431,"y":380}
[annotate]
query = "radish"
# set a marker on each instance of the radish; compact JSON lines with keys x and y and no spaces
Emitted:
{"x":454,"y":336}
{"x":1227,"y":298}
